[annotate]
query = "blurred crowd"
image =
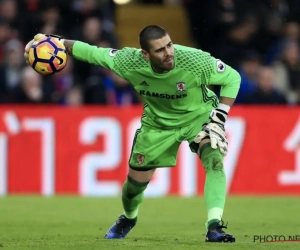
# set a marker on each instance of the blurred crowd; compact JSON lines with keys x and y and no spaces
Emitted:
{"x":91,"y":21}
{"x":259,"y":38}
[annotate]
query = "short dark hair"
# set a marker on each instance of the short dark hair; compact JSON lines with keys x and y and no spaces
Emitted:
{"x":151,"y":32}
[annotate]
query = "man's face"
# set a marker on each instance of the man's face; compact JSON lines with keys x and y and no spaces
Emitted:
{"x":161,"y":54}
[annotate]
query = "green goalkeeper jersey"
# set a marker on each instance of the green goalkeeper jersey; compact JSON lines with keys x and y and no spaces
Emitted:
{"x":172,"y":99}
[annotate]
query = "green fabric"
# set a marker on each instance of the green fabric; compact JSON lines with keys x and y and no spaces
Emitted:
{"x":175,"y":98}
{"x":215,"y":181}
{"x":204,"y":146}
{"x":155,"y":148}
{"x":132,"y":197}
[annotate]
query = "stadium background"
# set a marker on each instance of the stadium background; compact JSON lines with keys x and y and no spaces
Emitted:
{"x":68,"y":136}
{"x":72,"y":132}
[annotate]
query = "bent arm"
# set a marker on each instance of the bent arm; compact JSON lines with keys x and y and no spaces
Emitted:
{"x":228,"y":78}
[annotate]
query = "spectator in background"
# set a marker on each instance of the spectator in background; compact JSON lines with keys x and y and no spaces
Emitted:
{"x":265,"y":91}
{"x":92,"y":77}
{"x":74,"y":97}
{"x":63,"y":81}
{"x":225,"y":28}
{"x":81,"y":10}
{"x":122,"y":92}
{"x":91,"y":32}
{"x":100,"y":85}
{"x":236,"y":42}
{"x":95,"y":91}
{"x":32,"y":89}
{"x":9,"y":14}
{"x":272,"y":15}
{"x":10,"y":69}
{"x":5,"y":34}
{"x":248,"y":71}
{"x":29,"y":18}
{"x":225,"y":14}
{"x":228,"y":28}
{"x":108,"y":8}
{"x":290,"y":33}
{"x":50,"y":21}
{"x":211,"y":20}
{"x":287,"y":72}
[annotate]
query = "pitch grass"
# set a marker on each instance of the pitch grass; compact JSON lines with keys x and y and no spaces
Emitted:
{"x":164,"y":223}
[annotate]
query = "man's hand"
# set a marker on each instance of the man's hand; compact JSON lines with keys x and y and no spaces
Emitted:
{"x":215,"y":130}
{"x":29,"y":44}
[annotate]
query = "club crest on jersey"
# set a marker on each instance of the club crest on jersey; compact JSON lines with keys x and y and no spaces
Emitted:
{"x":180,"y":86}
{"x":140,"y":159}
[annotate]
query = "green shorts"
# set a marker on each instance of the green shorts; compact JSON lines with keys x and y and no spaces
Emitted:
{"x":157,"y":148}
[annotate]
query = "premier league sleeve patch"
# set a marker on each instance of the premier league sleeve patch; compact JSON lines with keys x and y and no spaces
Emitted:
{"x":112,"y":52}
{"x":220,"y":66}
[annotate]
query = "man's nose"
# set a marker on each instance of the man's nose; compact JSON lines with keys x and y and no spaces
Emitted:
{"x":168,"y":52}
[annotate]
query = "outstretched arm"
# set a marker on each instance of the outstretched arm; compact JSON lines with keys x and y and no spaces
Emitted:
{"x":68,"y":44}
{"x":84,"y":52}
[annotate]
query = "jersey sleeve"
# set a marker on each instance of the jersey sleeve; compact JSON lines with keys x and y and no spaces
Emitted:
{"x":225,"y":76}
{"x":209,"y":70}
{"x":113,"y":59}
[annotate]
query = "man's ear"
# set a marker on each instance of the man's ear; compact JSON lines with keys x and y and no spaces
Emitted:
{"x":145,"y":54}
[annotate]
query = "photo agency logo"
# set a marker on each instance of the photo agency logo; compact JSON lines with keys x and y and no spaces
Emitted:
{"x":276,"y":238}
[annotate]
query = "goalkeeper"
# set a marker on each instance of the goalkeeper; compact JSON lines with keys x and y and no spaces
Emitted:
{"x":172,"y":80}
